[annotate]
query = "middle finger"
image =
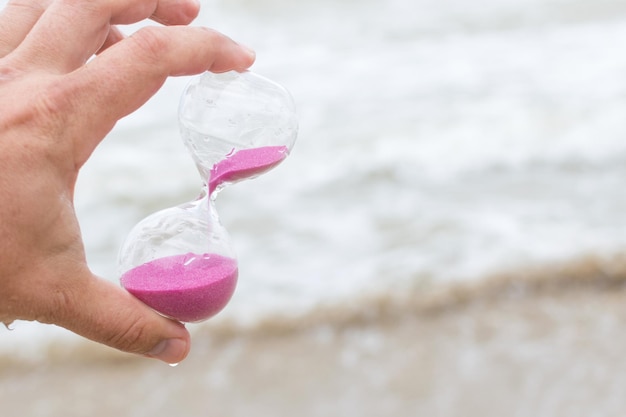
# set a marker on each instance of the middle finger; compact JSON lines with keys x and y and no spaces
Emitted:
{"x":69,"y":32}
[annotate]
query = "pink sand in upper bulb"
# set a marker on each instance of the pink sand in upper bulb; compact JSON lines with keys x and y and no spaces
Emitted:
{"x":187,"y":288}
{"x":246,"y":163}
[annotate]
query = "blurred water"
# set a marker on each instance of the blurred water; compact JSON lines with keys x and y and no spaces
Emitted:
{"x":440,"y":140}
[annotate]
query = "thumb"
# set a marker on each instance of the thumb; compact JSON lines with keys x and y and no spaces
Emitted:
{"x":103,"y":312}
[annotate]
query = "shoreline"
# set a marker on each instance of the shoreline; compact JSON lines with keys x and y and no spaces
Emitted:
{"x":589,"y":274}
{"x":538,"y":349}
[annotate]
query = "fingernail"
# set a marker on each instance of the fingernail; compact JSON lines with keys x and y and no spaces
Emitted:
{"x":169,"y":350}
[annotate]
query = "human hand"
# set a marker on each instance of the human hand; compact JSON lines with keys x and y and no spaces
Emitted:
{"x":56,"y":105}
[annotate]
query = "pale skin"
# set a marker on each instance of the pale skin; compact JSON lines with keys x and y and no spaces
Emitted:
{"x":57,"y":105}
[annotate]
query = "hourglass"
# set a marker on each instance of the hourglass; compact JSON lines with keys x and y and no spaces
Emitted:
{"x":180,"y":260}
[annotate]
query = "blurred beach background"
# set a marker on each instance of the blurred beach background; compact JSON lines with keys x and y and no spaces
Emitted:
{"x":447,"y":238}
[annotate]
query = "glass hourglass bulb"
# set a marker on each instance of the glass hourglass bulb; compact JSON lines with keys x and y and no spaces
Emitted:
{"x":180,"y":261}
{"x":236,"y":125}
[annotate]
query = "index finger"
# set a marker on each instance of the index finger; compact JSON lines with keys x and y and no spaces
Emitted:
{"x":126,"y":75}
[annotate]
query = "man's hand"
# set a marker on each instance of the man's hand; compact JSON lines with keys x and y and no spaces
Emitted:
{"x":56,"y":105}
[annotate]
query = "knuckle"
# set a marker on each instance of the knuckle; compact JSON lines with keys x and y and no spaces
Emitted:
{"x":211,"y":34}
{"x":151,"y":43}
{"x":44,"y":103}
{"x":48,"y":115}
{"x":53,"y":102}
{"x":130,"y":339}
{"x":58,"y":304}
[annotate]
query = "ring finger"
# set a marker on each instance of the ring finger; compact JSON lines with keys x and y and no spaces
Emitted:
{"x":16,"y":20}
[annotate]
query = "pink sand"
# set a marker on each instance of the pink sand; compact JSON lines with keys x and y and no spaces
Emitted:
{"x":186,"y":287}
{"x":246,"y":163}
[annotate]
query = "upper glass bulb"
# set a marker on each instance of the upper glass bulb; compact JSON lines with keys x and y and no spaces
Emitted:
{"x":223,"y":114}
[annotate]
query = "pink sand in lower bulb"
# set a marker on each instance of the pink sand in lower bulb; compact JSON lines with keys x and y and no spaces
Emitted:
{"x":246,"y":163}
{"x":187,"y":288}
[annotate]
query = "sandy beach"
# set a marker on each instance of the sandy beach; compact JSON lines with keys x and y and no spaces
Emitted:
{"x":515,"y":346}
